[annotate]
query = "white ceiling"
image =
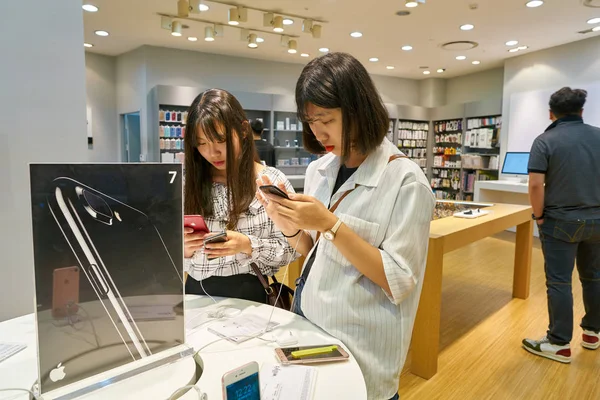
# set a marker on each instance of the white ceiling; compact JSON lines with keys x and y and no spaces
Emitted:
{"x":133,"y":23}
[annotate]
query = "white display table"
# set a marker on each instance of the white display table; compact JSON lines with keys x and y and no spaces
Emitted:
{"x":505,"y":192}
{"x":334,"y":381}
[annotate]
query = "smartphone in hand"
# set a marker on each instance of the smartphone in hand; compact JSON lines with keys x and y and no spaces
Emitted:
{"x":274,"y":190}
{"x":196,"y":222}
{"x":217,"y":238}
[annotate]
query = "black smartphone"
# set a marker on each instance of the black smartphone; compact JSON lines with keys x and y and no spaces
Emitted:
{"x":274,"y":190}
{"x":218,"y":238}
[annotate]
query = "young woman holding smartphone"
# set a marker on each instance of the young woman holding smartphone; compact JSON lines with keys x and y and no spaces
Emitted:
{"x":363,"y":222}
{"x":220,"y":183}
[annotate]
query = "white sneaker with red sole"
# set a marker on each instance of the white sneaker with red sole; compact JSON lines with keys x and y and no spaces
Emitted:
{"x":590,"y":339}
{"x":544,"y":348}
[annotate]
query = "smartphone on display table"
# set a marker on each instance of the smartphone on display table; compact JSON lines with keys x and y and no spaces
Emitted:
{"x":311,"y":354}
{"x":274,"y":190}
{"x":242,"y":383}
{"x":196,"y":222}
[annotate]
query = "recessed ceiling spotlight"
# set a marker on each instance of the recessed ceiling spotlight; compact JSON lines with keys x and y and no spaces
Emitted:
{"x":467,"y":27}
{"x":512,"y":43}
{"x":260,"y":40}
{"x":88,"y":45}
{"x":373,"y":59}
{"x":288,"y":21}
{"x":193,"y":39}
{"x":356,"y":34}
{"x":390,"y":67}
{"x":594,"y":21}
{"x":89,"y":7}
{"x":407,"y":48}
{"x":304,"y":55}
{"x":441,"y":70}
{"x":514,"y":50}
{"x":534,"y":3}
{"x":523,"y":47}
{"x":461,"y":58}
{"x":101,"y":33}
{"x":476,"y":62}
{"x":596,"y":29}
{"x":324,"y":50}
{"x":426,"y":72}
{"x":411,"y":3}
{"x":203,"y":7}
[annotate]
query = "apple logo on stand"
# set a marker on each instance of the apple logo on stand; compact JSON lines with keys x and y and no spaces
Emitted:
{"x":58,"y":373}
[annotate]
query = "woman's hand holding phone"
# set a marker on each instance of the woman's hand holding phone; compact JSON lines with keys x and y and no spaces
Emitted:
{"x":300,"y":212}
{"x":193,"y":241}
{"x":236,"y":243}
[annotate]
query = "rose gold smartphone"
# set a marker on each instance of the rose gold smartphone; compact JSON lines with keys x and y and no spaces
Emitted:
{"x":242,"y":383}
{"x":65,"y":292}
{"x":285,"y":355}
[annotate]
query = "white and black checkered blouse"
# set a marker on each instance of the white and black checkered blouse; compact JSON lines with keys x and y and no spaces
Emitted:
{"x":270,"y":250}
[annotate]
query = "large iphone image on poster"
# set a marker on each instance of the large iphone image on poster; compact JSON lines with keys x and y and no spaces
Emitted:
{"x":108,"y":265}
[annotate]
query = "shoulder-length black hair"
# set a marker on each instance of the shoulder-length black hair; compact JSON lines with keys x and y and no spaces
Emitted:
{"x":220,"y":116}
{"x":338,"y":80}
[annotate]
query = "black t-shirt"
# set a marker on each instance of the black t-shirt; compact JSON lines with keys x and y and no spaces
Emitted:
{"x":266,"y":152}
{"x":343,"y":175}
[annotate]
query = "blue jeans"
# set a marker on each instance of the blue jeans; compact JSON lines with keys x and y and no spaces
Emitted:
{"x":563,"y":242}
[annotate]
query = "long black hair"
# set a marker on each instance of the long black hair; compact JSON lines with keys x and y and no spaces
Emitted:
{"x":219,"y":115}
{"x":338,"y":80}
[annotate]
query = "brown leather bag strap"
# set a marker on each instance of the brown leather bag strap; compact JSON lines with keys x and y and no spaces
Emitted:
{"x":346,"y":193}
{"x":261,"y":278}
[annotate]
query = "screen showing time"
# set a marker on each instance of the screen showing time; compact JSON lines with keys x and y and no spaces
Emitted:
{"x":245,"y":389}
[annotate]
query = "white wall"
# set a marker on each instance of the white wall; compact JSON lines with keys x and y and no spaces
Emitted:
{"x":475,"y":87}
{"x":42,"y":119}
{"x":574,"y":64}
{"x":101,"y":90}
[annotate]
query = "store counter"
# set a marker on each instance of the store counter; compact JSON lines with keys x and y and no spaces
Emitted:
{"x":335,"y":380}
{"x":446,"y":235}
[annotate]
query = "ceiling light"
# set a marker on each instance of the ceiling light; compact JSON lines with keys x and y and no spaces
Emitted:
{"x":209,"y":34}
{"x":373,"y":59}
{"x":101,"y":33}
{"x":316,"y":31}
{"x":89,"y":7}
{"x":356,"y":34}
{"x":594,"y":21}
{"x":259,"y":40}
{"x":237,"y":15}
{"x":196,"y":6}
{"x":407,"y":48}
{"x":534,"y":3}
{"x":278,"y":24}
{"x":476,"y":62}
{"x":411,"y":3}
{"x":467,"y":27}
{"x":88,"y":45}
{"x":324,"y":50}
{"x":292,"y":47}
{"x":426,"y":72}
{"x":304,"y":55}
{"x":390,"y":67}
{"x":176,"y":28}
{"x":440,"y":70}
{"x":252,"y":41}
{"x":514,"y":50}
{"x":596,"y":29}
{"x":523,"y":47}
{"x":193,"y":39}
{"x":512,"y":43}
{"x":460,"y":58}
{"x":288,"y":21}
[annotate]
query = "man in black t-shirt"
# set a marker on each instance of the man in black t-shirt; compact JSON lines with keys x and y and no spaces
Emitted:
{"x":266,"y":151}
{"x":564,"y":189}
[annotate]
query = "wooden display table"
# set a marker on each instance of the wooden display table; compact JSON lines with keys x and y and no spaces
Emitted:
{"x":449,"y":234}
